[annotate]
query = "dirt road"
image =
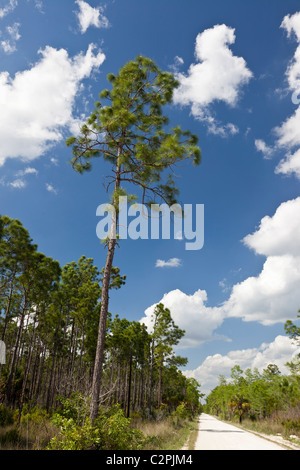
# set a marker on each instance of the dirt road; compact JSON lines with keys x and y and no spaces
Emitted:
{"x":216,"y":435}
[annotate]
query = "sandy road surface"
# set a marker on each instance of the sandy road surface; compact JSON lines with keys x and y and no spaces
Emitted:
{"x":216,"y":435}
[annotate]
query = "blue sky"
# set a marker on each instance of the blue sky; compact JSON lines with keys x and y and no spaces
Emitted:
{"x":239,"y":68}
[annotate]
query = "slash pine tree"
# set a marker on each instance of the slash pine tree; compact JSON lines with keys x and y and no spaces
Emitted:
{"x":130,"y":131}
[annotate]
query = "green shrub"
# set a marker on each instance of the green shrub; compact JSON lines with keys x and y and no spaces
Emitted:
{"x":10,"y":437}
{"x":111,"y":431}
{"x":182,"y":411}
{"x":74,"y":437}
{"x":75,"y":407}
{"x":35,"y":416}
{"x":116,"y":431}
{"x":290,"y":426}
{"x":6,"y":416}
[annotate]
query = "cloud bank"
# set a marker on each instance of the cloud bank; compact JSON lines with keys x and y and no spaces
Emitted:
{"x":279,"y":352}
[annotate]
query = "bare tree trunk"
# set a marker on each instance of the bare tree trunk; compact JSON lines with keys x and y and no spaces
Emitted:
{"x":129,"y":384}
{"x":104,"y":303}
{"x":7,"y":311}
{"x":26,"y":372}
{"x":160,"y":384}
{"x":111,"y":380}
{"x":150,"y":396}
{"x":12,"y":372}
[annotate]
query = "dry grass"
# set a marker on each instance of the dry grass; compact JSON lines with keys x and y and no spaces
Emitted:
{"x":285,"y":423}
{"x":26,"y":436}
{"x":168,"y":434}
{"x":193,"y":435}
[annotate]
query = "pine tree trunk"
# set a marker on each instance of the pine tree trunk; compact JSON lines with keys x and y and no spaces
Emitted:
{"x":7,"y":311}
{"x":104,"y":303}
{"x":160,"y":384}
{"x":26,"y":373}
{"x":150,"y":396}
{"x":13,"y":365}
{"x":129,"y":384}
{"x":111,"y":381}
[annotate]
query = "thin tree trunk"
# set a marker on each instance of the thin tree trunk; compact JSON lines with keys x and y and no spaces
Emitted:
{"x":104,"y":304}
{"x":51,"y":380}
{"x":129,"y":383}
{"x":12,"y":372}
{"x":37,"y":387}
{"x":7,"y":311}
{"x":135,"y":390}
{"x":111,"y":381}
{"x":26,"y":374}
{"x":160,"y":383}
{"x":150,"y":396}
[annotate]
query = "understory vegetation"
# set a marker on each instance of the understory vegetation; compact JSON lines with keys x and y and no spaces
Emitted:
{"x":69,"y":428}
{"x":49,"y":319}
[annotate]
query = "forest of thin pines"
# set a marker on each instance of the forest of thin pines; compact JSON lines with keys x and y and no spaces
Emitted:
{"x":49,"y":323}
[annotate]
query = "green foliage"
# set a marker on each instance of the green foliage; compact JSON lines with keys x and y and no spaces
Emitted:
{"x":6,"y":416}
{"x":129,"y":130}
{"x":292,"y":330}
{"x":254,"y":394}
{"x":116,"y":431}
{"x":74,"y":408}
{"x":111,"y":431}
{"x":36,"y":416}
{"x":10,"y":437}
{"x":290,"y":426}
{"x":182,"y":411}
{"x":74,"y":437}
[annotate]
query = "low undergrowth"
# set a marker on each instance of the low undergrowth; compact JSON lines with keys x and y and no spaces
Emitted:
{"x":69,"y":428}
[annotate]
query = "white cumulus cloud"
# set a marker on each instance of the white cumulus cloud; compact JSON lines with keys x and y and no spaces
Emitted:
{"x":89,"y":16}
{"x":218,"y":75}
{"x":287,"y":136}
{"x":290,"y":164}
{"x":190,"y":313}
{"x":279,"y":234}
{"x":273,"y":295}
{"x":37,"y":104}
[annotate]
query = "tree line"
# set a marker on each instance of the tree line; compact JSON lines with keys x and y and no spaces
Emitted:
{"x":49,"y":318}
{"x":259,"y":395}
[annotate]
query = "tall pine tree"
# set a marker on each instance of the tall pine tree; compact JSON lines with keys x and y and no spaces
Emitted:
{"x":130,"y":133}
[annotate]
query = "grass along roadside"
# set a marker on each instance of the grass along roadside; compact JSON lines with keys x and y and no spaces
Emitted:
{"x":36,"y":431}
{"x":272,"y":431}
{"x":170,"y":433}
{"x":190,"y":444}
